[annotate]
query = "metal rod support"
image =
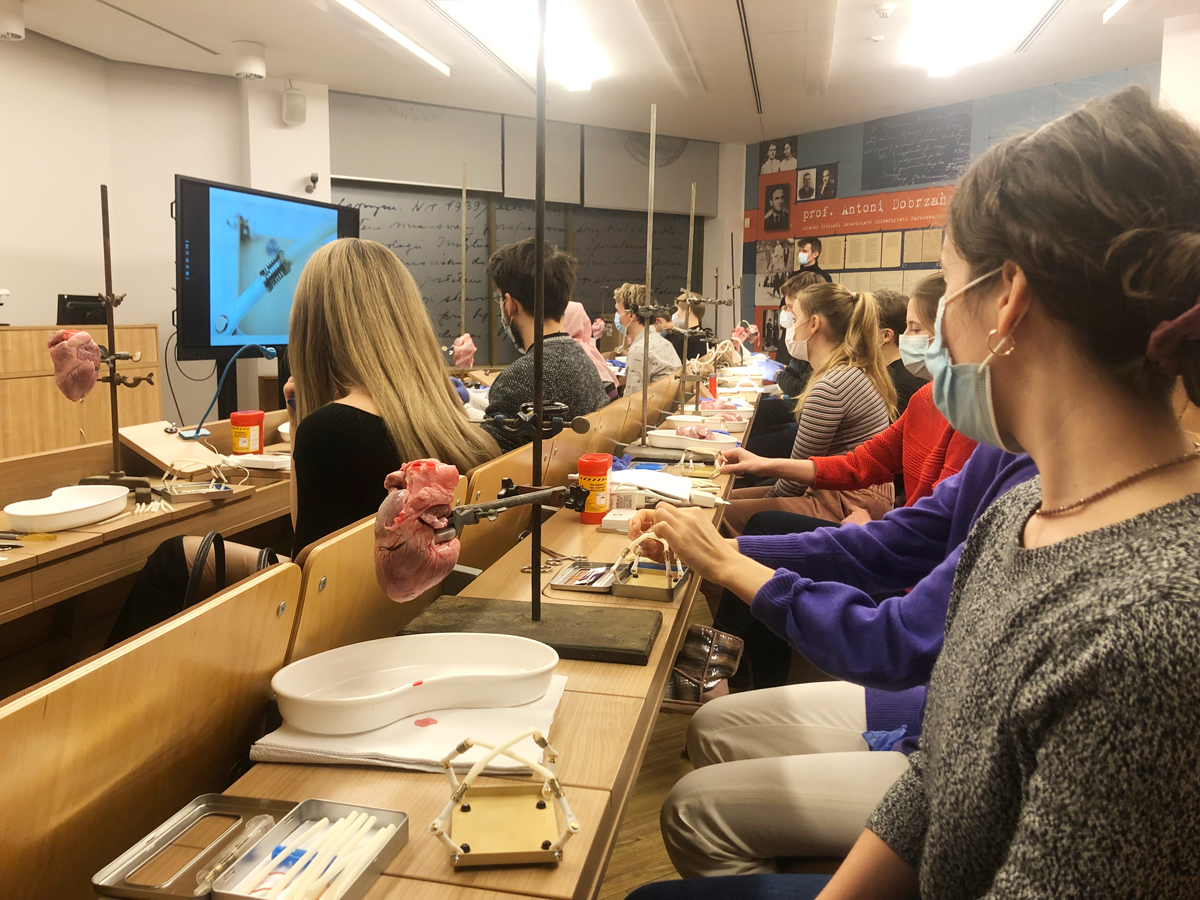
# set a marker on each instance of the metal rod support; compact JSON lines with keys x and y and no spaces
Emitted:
{"x":113,"y":380}
{"x":649,"y":261}
{"x":539,"y":311}
{"x":688,"y":293}
{"x":463,"y":274}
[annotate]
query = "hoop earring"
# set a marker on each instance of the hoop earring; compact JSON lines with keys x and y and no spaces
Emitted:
{"x":1011,"y":344}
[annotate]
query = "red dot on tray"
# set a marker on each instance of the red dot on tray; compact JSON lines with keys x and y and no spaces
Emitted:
{"x":425,"y":723}
{"x":415,"y":683}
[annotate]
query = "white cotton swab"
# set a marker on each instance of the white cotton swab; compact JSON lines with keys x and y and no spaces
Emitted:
{"x":358,"y":861}
{"x":322,"y":877}
{"x":334,"y":838}
{"x":251,"y":881}
{"x":347,"y":839}
{"x":334,"y":830}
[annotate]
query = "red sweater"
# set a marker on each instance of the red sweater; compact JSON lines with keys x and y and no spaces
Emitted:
{"x":920,"y":445}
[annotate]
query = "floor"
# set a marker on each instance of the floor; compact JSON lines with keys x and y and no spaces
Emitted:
{"x":639,"y":856}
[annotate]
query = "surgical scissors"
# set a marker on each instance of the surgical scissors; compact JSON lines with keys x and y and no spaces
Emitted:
{"x":553,"y":560}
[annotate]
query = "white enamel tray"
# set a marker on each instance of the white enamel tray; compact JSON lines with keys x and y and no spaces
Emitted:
{"x":366,"y":686}
{"x":68,"y":507}
{"x":708,"y":421}
{"x":668,"y":439}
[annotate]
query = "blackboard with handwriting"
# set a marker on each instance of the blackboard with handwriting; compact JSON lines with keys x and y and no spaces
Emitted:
{"x":924,"y":147}
{"x":423,"y":227}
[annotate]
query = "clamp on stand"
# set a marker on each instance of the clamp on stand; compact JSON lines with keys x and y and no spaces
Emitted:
{"x":510,"y":496}
{"x":554,"y":419}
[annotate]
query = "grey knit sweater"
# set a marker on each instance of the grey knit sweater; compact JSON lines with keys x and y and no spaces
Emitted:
{"x":568,"y":376}
{"x":1061,"y":750}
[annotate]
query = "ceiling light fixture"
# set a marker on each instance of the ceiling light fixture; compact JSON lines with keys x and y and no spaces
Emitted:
{"x":573,"y":58}
{"x":1040,"y":26}
{"x":403,"y":40}
{"x":1114,"y":9}
{"x":948,"y":35}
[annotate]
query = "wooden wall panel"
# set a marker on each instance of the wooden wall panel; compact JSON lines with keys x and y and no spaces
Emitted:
{"x":36,"y":418}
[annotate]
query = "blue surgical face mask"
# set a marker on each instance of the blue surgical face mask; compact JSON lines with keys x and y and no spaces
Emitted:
{"x":617,"y":321}
{"x":963,"y":392}
{"x":912,"y":353}
{"x":802,"y":258}
{"x":511,"y":331}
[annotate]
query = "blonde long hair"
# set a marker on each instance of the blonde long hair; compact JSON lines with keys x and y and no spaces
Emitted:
{"x":358,"y":321}
{"x":854,"y":325}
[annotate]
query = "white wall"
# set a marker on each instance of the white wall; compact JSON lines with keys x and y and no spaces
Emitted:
{"x":731,"y":190}
{"x":1180,"y":85}
{"x":280,"y":158}
{"x":54,"y":154}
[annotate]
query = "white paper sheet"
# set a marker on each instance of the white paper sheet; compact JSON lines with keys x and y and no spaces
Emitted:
{"x":419,"y":747}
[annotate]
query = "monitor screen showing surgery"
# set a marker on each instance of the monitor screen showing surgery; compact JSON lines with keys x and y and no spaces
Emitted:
{"x":240,"y":258}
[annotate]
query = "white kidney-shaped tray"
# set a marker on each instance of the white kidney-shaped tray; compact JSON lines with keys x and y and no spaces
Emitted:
{"x":667,"y":438}
{"x":708,"y":421}
{"x":366,"y":686}
{"x":68,"y":507}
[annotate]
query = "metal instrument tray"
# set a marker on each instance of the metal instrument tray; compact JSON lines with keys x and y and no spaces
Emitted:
{"x":308,"y":811}
{"x":112,"y":880}
{"x":626,"y":585}
{"x":566,"y":577}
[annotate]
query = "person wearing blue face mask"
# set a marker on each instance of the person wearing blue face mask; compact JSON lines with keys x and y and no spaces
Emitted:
{"x":570,"y":376}
{"x":688,"y":316}
{"x":1060,"y":736}
{"x":663,"y":358}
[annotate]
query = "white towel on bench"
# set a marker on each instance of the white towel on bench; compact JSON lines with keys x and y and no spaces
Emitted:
{"x":407,"y":745}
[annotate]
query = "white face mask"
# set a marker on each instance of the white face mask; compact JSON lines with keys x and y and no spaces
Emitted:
{"x":802,"y":258}
{"x":787,"y":319}
{"x":912,"y":351}
{"x":798,"y":349}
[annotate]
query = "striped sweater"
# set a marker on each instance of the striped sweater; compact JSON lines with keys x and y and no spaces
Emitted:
{"x":842,"y":410}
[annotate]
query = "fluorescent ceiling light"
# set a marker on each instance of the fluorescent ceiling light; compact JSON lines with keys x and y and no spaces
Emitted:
{"x":948,"y":35}
{"x":1113,"y":10}
{"x":403,"y":40}
{"x":510,"y":29}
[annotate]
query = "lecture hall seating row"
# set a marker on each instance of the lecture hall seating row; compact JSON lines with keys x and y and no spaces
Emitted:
{"x":97,"y":756}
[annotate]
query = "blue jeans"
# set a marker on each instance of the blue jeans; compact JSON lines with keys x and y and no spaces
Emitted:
{"x":735,"y":887}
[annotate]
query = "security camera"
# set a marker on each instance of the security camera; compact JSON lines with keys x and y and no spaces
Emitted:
{"x":313,"y":178}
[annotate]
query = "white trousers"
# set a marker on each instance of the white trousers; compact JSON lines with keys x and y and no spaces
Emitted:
{"x":780,"y":772}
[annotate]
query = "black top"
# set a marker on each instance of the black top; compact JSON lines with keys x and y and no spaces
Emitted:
{"x":906,"y":384}
{"x":816,"y":269}
{"x":696,"y":346}
{"x":340,"y":457}
{"x":794,"y":379}
{"x":568,"y":376}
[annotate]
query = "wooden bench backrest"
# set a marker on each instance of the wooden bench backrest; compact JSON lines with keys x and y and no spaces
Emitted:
{"x":340,"y":600}
{"x":98,"y":756}
{"x":486,"y":542}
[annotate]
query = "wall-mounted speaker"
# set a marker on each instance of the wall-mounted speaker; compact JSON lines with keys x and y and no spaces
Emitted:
{"x":295,"y":107}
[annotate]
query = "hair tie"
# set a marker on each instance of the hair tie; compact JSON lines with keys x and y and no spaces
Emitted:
{"x":1169,"y":337}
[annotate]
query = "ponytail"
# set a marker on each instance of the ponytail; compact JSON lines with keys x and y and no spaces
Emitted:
{"x":854,"y":324}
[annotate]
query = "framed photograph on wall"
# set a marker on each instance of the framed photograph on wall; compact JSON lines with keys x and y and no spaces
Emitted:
{"x":774,"y":257}
{"x":806,"y":185}
{"x":778,"y":155}
{"x":777,"y":213}
{"x":827,"y":183}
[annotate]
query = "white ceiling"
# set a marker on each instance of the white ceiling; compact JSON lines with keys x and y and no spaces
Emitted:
{"x":318,"y":41}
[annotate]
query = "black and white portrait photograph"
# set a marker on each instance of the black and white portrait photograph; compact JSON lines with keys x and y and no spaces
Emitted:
{"x":777,"y":214}
{"x":778,"y":155}
{"x":806,"y":185}
{"x":827,"y":182}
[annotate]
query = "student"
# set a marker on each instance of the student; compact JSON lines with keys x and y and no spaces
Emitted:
{"x":773,"y":430}
{"x":893,"y":321}
{"x":570,"y":376}
{"x":369,"y":391}
{"x":807,"y":254}
{"x":1060,"y":732}
{"x":848,"y":400}
{"x":663,"y":358}
{"x":688,"y":315}
{"x":806,"y":740}
{"x":579,"y":326}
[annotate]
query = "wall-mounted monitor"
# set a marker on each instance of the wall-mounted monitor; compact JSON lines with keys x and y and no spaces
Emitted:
{"x":238,"y":256}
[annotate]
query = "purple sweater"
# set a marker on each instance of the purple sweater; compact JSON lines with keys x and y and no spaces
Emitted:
{"x":829,"y":614}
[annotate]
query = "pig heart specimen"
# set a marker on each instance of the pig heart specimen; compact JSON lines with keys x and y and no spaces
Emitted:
{"x":464,"y":352}
{"x":407,"y":560}
{"x":76,"y":363}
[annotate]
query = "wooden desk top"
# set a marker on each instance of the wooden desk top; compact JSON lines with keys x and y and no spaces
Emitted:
{"x":600,"y":729}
